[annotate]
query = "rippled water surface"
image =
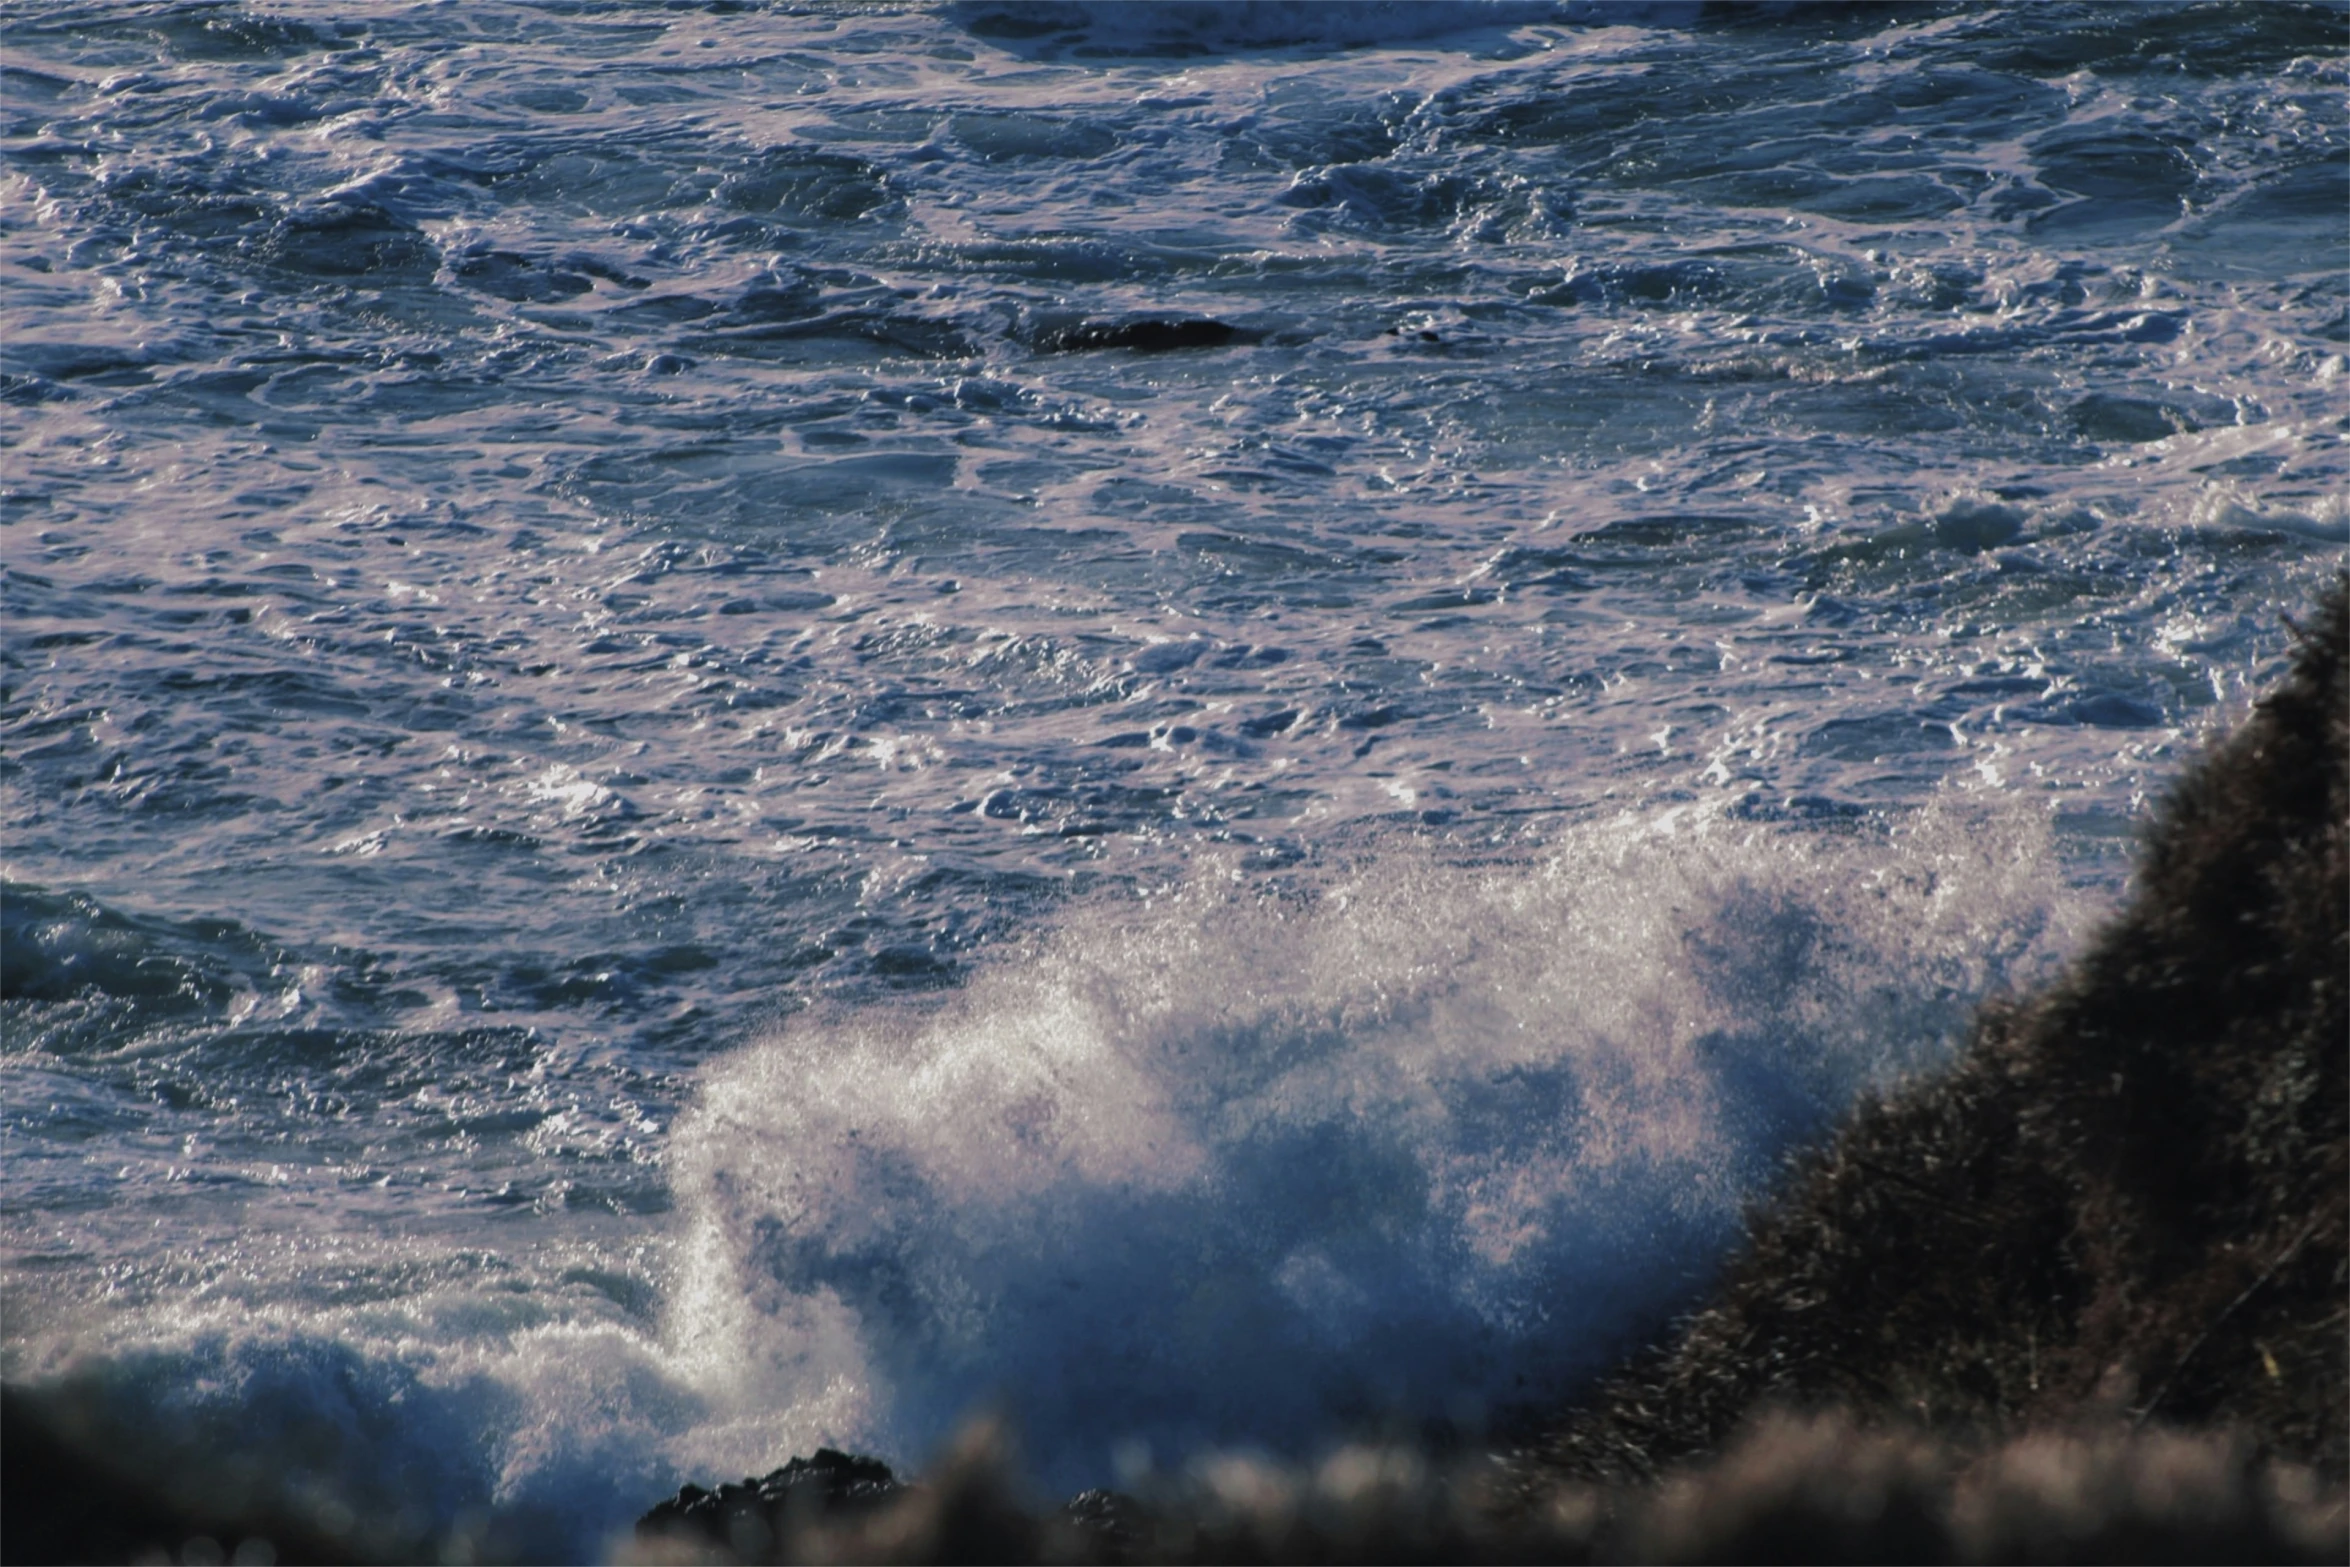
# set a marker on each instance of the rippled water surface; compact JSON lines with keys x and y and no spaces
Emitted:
{"x":542,"y":541}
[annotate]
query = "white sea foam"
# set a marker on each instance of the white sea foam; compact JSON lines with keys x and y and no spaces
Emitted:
{"x":1406,"y":1142}
{"x":481,"y":1421}
{"x":1233,"y":1168}
{"x":570,"y":535}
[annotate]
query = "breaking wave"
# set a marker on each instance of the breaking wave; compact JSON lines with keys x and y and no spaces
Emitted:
{"x":1412,"y":1144}
{"x":1390,"y":1148}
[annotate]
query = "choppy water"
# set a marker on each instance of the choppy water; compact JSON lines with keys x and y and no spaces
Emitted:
{"x":1312,"y":863}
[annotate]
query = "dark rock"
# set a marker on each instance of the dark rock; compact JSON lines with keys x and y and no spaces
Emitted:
{"x":751,"y":1520}
{"x":2103,"y":417}
{"x":1113,"y":1524}
{"x":1145,"y":336}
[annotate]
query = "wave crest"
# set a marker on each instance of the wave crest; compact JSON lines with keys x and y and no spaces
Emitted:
{"x":1417,"y":1141}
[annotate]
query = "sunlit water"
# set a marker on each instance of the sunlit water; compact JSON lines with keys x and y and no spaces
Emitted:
{"x":688,"y":771}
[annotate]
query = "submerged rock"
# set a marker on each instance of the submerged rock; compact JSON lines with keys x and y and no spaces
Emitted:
{"x":1146,"y":335}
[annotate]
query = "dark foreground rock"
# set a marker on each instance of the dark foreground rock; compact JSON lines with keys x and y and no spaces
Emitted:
{"x":61,"y":1500}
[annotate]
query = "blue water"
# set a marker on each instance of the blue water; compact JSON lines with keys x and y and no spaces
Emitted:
{"x":682,"y":778}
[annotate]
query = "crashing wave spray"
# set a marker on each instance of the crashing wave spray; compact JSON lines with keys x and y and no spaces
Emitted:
{"x":1410,"y":1141}
{"x":1234,"y":1169}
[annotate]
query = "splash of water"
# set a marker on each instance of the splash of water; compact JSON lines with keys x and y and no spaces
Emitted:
{"x":1404,"y":1140}
{"x":1419,"y":1141}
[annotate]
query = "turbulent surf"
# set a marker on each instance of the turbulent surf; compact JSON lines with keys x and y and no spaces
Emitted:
{"x":733,"y":727}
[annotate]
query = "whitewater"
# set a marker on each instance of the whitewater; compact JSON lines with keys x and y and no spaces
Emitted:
{"x":742,"y":726}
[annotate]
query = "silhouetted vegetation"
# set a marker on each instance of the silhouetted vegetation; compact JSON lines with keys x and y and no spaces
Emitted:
{"x":2126,"y":1202}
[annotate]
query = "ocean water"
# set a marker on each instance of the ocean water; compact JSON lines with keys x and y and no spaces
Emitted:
{"x":744,"y":725}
